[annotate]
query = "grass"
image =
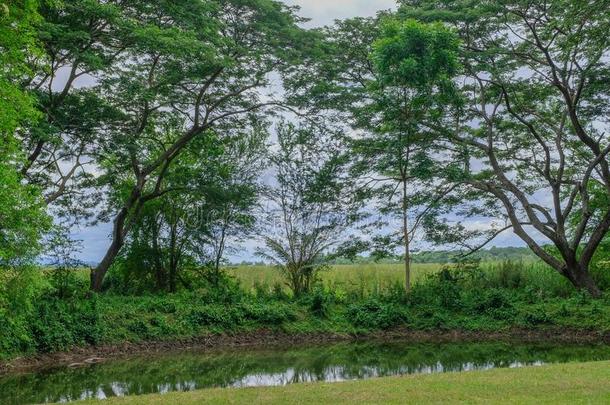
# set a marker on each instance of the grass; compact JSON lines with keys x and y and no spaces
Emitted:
{"x":571,"y":383}
{"x":348,"y":277}
{"x":371,"y":278}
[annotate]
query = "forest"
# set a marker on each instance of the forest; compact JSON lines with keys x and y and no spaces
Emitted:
{"x":368,"y":167}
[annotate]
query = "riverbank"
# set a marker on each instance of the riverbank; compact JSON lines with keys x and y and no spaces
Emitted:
{"x":571,"y":383}
{"x":264,"y":338}
{"x":71,"y":328}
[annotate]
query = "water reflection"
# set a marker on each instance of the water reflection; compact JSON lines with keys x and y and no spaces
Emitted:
{"x":187,"y":371}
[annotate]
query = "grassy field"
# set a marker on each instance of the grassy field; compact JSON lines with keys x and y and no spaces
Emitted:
{"x":572,"y":383}
{"x":369,"y":277}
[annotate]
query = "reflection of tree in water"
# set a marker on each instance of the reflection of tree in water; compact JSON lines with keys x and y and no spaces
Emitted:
{"x":191,"y":370}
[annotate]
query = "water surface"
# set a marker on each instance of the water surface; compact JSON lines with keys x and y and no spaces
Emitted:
{"x":190,"y":370}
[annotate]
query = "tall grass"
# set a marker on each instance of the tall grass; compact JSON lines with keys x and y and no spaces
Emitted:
{"x":534,"y":275}
{"x":363,"y":278}
{"x":379,"y":278}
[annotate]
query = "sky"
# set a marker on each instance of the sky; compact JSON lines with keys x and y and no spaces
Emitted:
{"x":324,"y":12}
{"x":95,"y":239}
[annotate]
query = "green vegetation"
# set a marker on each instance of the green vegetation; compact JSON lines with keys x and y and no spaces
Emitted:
{"x":572,"y":383}
{"x":489,"y":298}
{"x":365,"y":277}
{"x":197,"y":127}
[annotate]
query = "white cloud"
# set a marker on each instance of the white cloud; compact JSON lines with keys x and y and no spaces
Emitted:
{"x":324,"y":12}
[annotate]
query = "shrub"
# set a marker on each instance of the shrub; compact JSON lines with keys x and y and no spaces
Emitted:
{"x":535,"y":317}
{"x":60,"y":324}
{"x":373,"y":314}
{"x":490,"y":301}
{"x":268,"y":314}
{"x":163,"y":306}
{"x":15,"y":337}
{"x":318,"y":301}
{"x":215,"y":315}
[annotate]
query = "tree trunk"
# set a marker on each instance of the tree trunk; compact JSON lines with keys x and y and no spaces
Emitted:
{"x":118,"y":239}
{"x":98,"y":274}
{"x":159,"y":268}
{"x":580,"y":277}
{"x":405,"y":231}
{"x":173,"y":257}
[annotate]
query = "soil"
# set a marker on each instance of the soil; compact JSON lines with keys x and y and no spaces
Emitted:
{"x":81,"y":356}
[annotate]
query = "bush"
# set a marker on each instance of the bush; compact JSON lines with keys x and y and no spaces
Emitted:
{"x":318,"y":301}
{"x":60,"y":324}
{"x":215,"y":315}
{"x":535,"y":317}
{"x":20,"y":289}
{"x":15,"y":337}
{"x":495,"y":302}
{"x":373,"y":314}
{"x":443,"y":289}
{"x":269,"y":314}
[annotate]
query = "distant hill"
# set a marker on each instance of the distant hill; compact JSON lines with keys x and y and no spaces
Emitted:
{"x":492,"y":254}
{"x":448,"y":256}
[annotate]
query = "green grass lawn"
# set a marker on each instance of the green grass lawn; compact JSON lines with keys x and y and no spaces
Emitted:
{"x":572,"y":383}
{"x":348,"y":277}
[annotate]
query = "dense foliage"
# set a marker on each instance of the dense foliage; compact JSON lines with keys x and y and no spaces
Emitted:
{"x":195,"y":127}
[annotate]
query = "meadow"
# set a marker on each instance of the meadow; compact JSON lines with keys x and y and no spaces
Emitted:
{"x":374,"y":278}
{"x":365,"y":277}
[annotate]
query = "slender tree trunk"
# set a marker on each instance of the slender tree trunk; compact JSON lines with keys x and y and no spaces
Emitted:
{"x":219,"y":253}
{"x":405,"y":231}
{"x":173,"y":258}
{"x":159,"y":268}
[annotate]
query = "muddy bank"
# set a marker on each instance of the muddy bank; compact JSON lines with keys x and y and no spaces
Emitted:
{"x":82,"y":356}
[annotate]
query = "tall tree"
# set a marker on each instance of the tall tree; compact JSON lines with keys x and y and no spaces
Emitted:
{"x":187,"y":233}
{"x":536,"y":124}
{"x":22,"y":211}
{"x":414,"y":64}
{"x":227,"y":210}
{"x":195,"y":67}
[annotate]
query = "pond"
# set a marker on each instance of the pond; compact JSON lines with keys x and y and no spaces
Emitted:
{"x":245,"y":367}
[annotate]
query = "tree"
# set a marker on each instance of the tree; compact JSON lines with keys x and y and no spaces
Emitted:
{"x":22,"y":211}
{"x":194,"y":68}
{"x":80,"y":41}
{"x":185,"y":234}
{"x":17,"y":43}
{"x":227,"y":210}
{"x":534,"y":134}
{"x":23,"y":219}
{"x":309,"y":206}
{"x":414,"y":64}
{"x":386,"y":78}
